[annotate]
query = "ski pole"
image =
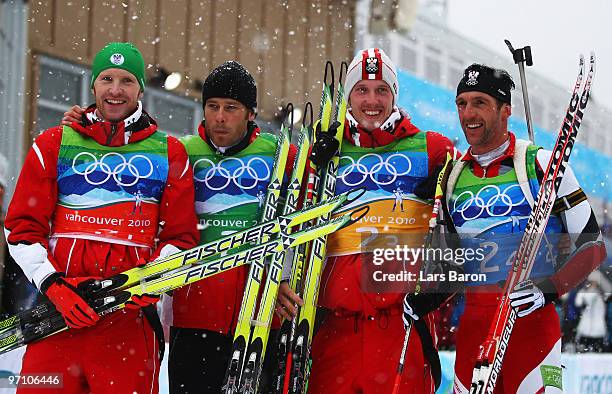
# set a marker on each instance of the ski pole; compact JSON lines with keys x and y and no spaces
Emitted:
{"x":521,"y":57}
{"x":433,"y":223}
{"x":400,"y":365}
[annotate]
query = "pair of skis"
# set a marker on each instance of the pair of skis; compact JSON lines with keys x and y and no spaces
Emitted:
{"x":251,"y":336}
{"x":242,"y":335}
{"x":492,"y":351}
{"x":295,"y":336}
{"x":158,"y":277}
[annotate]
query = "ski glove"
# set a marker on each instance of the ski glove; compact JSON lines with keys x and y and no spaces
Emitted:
{"x":143,"y":300}
{"x":528,"y":297}
{"x":326,"y":144}
{"x":420,"y":304}
{"x":409,"y":314}
{"x":67,"y":296}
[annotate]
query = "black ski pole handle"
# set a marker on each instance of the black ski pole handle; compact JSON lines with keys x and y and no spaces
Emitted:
{"x":520,"y":55}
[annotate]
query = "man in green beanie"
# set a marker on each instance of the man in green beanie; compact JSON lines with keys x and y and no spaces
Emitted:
{"x":121,"y":55}
{"x":228,"y":149}
{"x":72,"y":218}
{"x":120,"y":62}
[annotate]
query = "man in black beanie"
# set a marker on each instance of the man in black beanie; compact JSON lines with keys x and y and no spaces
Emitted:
{"x":229,"y":96}
{"x":489,"y":195}
{"x":233,"y":162}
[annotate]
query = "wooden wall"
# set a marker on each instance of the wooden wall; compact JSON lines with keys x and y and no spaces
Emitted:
{"x":284,"y":44}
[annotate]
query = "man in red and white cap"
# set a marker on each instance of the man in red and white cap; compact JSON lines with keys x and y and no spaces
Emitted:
{"x":358,"y":346}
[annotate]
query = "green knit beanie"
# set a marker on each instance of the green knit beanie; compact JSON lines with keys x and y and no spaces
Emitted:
{"x":122,"y":55}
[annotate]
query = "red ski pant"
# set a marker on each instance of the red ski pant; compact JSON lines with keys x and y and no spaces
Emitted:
{"x":533,"y":358}
{"x":118,"y":355}
{"x":359,"y":354}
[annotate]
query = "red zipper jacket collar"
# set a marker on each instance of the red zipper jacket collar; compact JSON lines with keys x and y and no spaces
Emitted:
{"x":492,"y":169}
{"x":378,"y":137}
{"x":114,"y":134}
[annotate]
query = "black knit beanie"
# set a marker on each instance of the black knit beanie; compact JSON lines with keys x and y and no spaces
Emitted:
{"x":231,"y":80}
{"x":494,"y":82}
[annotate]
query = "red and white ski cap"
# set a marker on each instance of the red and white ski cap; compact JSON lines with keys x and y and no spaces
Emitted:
{"x":372,"y":63}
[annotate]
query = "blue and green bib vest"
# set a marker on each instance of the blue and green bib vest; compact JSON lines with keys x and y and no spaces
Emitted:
{"x":389,"y":175}
{"x":229,"y":190}
{"x":490,"y":214}
{"x":110,"y":193}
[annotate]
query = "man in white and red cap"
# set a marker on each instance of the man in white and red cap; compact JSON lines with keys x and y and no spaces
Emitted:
{"x":358,"y":346}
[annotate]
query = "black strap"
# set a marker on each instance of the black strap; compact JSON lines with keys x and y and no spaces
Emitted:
{"x":566,"y":202}
{"x":49,"y":280}
{"x":429,"y":351}
{"x":150,"y":312}
{"x":320,"y":316}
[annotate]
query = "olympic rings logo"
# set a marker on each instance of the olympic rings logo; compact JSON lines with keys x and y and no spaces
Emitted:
{"x":233,"y":169}
{"x":490,"y":204}
{"x":389,"y":167}
{"x":110,"y":167}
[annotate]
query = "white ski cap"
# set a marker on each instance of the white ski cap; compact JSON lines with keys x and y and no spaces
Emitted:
{"x":372,"y":63}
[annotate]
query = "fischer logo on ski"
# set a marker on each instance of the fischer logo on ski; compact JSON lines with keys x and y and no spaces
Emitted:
{"x":44,"y":320}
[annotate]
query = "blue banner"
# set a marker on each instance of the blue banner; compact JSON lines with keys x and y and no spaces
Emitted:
{"x":432,"y":107}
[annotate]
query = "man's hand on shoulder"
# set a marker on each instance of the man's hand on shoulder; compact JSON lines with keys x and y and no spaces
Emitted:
{"x":74,"y":114}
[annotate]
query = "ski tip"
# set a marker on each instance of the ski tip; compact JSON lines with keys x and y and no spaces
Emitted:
{"x":343,"y":72}
{"x":354,"y":194}
{"x":286,"y":128}
{"x":289,"y":115}
{"x":329,"y":73}
{"x":93,"y":285}
{"x":308,"y":116}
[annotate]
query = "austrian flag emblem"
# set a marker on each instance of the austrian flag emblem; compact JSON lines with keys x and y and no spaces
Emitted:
{"x":117,"y":59}
{"x":472,"y":78}
{"x":371,"y":65}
